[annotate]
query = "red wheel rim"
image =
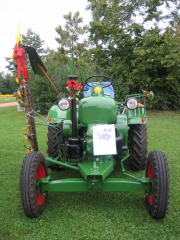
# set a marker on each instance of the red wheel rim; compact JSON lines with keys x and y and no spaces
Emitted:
{"x":150,"y":175}
{"x":40,"y":174}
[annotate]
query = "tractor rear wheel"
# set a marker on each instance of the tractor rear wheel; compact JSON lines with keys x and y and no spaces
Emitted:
{"x":33,"y":169}
{"x":158,"y":200}
{"x":138,"y":146}
{"x":54,"y":135}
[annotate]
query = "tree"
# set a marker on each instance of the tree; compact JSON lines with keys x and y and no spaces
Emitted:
{"x":156,"y":67}
{"x":33,"y":39}
{"x":6,"y":85}
{"x":71,"y":46}
{"x":74,"y":44}
{"x":3,"y":89}
{"x":115,"y":19}
{"x":113,"y":33}
{"x":119,"y":38}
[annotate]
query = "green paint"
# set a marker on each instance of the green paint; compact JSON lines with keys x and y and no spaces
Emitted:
{"x":100,"y":166}
{"x":81,"y":185}
{"x":97,"y":109}
{"x":58,"y":115}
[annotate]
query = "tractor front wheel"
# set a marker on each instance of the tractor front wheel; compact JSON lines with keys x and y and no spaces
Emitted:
{"x":33,"y":168}
{"x":157,"y":169}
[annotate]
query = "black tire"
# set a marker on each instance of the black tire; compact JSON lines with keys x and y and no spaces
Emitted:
{"x":157,"y":169}
{"x":138,"y":146}
{"x":33,"y":168}
{"x":54,"y":135}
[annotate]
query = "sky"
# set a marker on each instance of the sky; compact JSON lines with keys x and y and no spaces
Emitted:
{"x":41,"y":16}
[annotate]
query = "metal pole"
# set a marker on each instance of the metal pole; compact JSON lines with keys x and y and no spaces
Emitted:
{"x":74,"y":118}
{"x":30,"y":119}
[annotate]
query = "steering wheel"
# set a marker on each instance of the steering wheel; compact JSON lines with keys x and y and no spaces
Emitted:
{"x":99,"y":76}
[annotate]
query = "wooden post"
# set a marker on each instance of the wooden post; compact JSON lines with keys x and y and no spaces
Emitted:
{"x":30,"y":119}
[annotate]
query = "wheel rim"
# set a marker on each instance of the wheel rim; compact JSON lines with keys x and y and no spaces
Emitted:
{"x":150,"y":175}
{"x":40,"y":174}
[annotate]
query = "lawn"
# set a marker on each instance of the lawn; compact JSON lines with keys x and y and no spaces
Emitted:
{"x":7,"y":99}
{"x":86,"y":216}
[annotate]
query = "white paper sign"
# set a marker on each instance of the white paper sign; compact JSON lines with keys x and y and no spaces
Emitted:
{"x":104,"y":141}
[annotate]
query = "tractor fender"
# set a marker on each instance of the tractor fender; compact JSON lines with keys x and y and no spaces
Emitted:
{"x":56,"y":116}
{"x":136,"y":116}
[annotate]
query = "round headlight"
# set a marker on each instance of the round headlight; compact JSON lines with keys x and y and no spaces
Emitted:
{"x":131,"y":103}
{"x":64,"y":104}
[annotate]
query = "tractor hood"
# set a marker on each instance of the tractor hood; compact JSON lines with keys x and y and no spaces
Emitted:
{"x":98,"y":108}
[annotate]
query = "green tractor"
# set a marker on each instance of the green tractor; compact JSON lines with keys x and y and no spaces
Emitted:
{"x":93,"y":136}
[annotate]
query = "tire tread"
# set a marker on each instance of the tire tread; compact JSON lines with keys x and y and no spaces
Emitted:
{"x":28,"y":184}
{"x":161,"y":190}
{"x":138,"y":146}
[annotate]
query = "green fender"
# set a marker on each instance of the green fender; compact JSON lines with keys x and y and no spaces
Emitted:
{"x":56,"y":115}
{"x":136,"y":116}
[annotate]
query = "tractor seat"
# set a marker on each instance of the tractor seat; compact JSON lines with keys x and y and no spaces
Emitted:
{"x":108,"y":91}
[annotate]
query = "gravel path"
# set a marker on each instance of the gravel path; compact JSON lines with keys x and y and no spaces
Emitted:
{"x":8,"y":104}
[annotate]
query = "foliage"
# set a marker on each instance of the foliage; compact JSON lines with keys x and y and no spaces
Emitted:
{"x":69,"y":38}
{"x":157,"y":67}
{"x":145,"y":59}
{"x":43,"y":95}
{"x":121,"y":89}
{"x":33,"y":39}
{"x":7,"y":85}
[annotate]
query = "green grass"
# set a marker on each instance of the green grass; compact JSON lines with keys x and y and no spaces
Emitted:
{"x":86,"y":216}
{"x":7,"y":99}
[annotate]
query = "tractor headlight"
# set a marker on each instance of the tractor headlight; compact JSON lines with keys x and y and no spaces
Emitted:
{"x":131,"y":103}
{"x":64,"y":104}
